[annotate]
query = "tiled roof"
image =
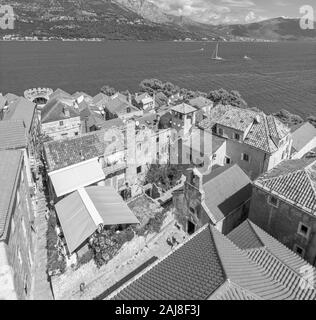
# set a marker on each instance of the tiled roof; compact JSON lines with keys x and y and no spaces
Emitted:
{"x":59,"y":93}
{"x":226,"y":190}
{"x":184,"y":108}
{"x":3,"y":101}
{"x":302,"y":135}
{"x":193,"y":271}
{"x":67,"y":152}
{"x":263,"y":134}
{"x":99,"y":98}
{"x":142,"y":96}
{"x":118,"y":104}
{"x":210,"y":266}
{"x":294,"y":181}
{"x":54,"y":111}
{"x":9,"y":170}
{"x":200,"y":102}
{"x":12,"y":134}
{"x":63,"y":153}
{"x":10,"y":97}
{"x":280,"y":263}
{"x":21,"y":109}
{"x":245,"y":237}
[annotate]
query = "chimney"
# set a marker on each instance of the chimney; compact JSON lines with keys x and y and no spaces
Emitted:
{"x":257,"y":119}
{"x":66,"y":111}
{"x":129,"y":98}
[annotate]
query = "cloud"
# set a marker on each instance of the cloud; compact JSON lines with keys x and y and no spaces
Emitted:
{"x":239,"y":3}
{"x":215,"y":11}
{"x":252,"y":17}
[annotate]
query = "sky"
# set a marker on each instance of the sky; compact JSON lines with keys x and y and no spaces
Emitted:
{"x":234,"y":11}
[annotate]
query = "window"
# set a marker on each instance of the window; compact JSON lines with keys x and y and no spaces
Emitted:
{"x":273,"y":201}
{"x":192,"y":210}
{"x":76,"y":133}
{"x":139,"y":169}
{"x":214,"y":156}
{"x":245,"y":157}
{"x":227,"y":160}
{"x":61,"y":123}
{"x":157,"y":139}
{"x":236,"y":136}
{"x":25,"y":285}
{"x":128,"y":110}
{"x":299,"y":250}
{"x":139,"y":146}
{"x":303,"y":230}
{"x":220,"y":131}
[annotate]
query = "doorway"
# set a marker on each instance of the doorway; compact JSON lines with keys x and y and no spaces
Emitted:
{"x":190,"y":227}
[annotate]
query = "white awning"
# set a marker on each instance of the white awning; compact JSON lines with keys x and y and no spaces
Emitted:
{"x":77,"y":176}
{"x":81,"y":212}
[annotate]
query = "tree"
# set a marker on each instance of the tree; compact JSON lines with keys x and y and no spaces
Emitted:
{"x":164,"y":176}
{"x":312,"y":120}
{"x":288,"y":118}
{"x":225,"y":97}
{"x":107,"y":90}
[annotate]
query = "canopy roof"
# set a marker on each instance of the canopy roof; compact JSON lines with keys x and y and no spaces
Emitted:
{"x":80,"y":175}
{"x":83,"y":211}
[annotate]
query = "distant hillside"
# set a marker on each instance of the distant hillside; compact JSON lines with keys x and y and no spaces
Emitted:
{"x":272,"y":29}
{"x":134,"y":19}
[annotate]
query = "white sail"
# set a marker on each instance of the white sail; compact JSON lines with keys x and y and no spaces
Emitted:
{"x":215,"y":53}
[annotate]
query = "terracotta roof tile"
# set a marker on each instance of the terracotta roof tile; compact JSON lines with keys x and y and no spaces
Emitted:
{"x":12,"y":134}
{"x":262,"y":134}
{"x":295,"y":180}
{"x":9,"y":170}
{"x":210,"y":266}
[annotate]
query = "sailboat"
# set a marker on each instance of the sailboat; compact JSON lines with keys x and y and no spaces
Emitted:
{"x":215,"y":53}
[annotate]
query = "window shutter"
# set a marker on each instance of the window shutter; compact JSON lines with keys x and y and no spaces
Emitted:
{"x":242,"y":156}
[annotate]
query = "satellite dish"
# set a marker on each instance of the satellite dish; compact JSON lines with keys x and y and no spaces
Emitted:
{"x":137,"y":123}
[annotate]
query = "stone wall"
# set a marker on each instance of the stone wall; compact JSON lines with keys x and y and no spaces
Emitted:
{"x":70,"y":128}
{"x":19,"y":242}
{"x":283,"y":222}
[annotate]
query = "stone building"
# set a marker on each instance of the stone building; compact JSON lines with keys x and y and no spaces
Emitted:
{"x":255,"y":141}
{"x":60,"y":119}
{"x":144,"y":101}
{"x":183,"y":118}
{"x":120,"y":106}
{"x":204,"y":107}
{"x":118,"y":155}
{"x":284,"y":205}
{"x":16,"y":227}
{"x":220,"y":197}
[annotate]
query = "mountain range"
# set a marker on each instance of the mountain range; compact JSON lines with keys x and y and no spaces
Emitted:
{"x":135,"y":20}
